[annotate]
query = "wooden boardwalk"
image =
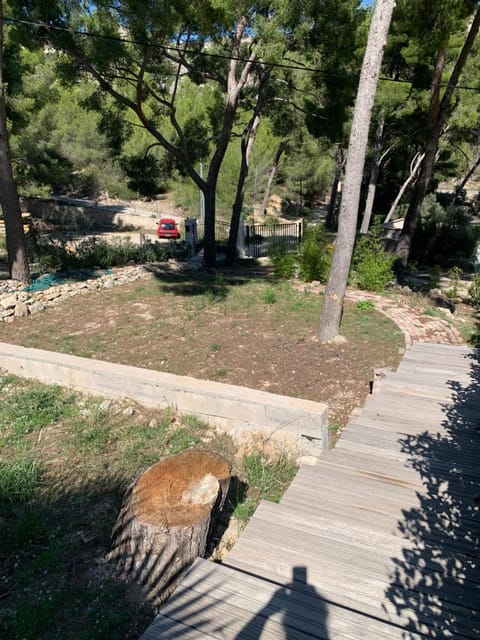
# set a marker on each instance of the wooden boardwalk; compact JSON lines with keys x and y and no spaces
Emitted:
{"x":378,"y":540}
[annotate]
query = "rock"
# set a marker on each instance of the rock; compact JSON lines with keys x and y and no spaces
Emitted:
{"x":53,"y":294}
{"x":128,"y":411}
{"x":105,"y":406}
{"x":11,"y":291}
{"x":441,"y":300}
{"x":338,"y":339}
{"x":21,"y":310}
{"x":36,"y":307}
{"x":9,"y":302}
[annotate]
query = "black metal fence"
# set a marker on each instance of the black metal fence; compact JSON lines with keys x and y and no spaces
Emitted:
{"x":261,"y":238}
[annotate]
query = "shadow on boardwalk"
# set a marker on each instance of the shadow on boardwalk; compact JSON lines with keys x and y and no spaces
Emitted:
{"x":435,"y":585}
{"x":291,"y":613}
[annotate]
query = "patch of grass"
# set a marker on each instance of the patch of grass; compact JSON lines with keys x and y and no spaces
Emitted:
{"x":34,"y":619}
{"x":19,"y":476}
{"x":31,"y":408}
{"x":94,"y":437}
{"x":268,"y":476}
{"x":187,"y":435}
{"x":269,"y":296}
{"x":214,"y":347}
{"x":365,"y":305}
{"x":221,"y":373}
{"x":436,"y":312}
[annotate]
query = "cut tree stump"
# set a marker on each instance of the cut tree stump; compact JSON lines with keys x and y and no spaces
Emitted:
{"x":165,"y":520}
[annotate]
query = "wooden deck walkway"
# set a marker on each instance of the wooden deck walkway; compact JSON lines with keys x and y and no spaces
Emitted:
{"x":379,"y":540}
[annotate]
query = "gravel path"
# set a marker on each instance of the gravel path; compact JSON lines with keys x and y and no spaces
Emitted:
{"x":415,"y":325}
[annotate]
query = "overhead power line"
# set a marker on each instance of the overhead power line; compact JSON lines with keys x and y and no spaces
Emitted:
{"x":210,"y":54}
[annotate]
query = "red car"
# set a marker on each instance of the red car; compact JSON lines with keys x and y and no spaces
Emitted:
{"x":168,"y":228}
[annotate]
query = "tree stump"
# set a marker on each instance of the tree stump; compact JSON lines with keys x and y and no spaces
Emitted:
{"x":165,"y":520}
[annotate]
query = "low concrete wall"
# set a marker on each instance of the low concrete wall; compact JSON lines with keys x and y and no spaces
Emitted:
{"x":237,"y":410}
{"x":78,"y":217}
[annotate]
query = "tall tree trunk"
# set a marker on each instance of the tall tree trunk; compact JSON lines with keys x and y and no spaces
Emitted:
{"x":339,"y":164}
{"x":234,"y":87}
{"x":332,"y":306}
{"x":17,"y":254}
{"x":438,"y":112}
{"x":426,"y":171}
{"x":414,"y":167}
{"x":209,"y":245}
{"x":246,"y":151}
{"x":377,"y":159}
{"x":273,"y":172}
{"x":470,"y":173}
{"x":248,"y":138}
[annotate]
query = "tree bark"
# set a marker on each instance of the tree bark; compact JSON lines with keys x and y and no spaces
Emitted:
{"x":377,"y":160}
{"x":468,"y":175}
{"x":339,"y":164}
{"x":234,"y":88}
{"x":434,"y":128}
{"x":248,"y":138}
{"x":414,"y":166}
{"x":166,"y":518}
{"x":332,"y":306}
{"x":12,"y":215}
{"x":438,"y":112}
{"x":271,"y":177}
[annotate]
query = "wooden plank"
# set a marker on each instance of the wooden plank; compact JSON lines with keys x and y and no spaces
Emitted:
{"x":366,"y":570}
{"x":351,"y":588}
{"x":252,"y":607}
{"x":391,"y":402}
{"x":367,"y":547}
{"x":384,"y":526}
{"x":440,"y":351}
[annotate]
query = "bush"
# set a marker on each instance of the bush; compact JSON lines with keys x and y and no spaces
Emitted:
{"x":315,"y":256}
{"x":474,"y":291}
{"x":97,"y":252}
{"x":371,"y":264}
{"x":283,"y":262}
{"x":445,"y":235}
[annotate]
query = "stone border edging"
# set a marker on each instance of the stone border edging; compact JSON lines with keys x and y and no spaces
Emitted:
{"x":302,"y":424}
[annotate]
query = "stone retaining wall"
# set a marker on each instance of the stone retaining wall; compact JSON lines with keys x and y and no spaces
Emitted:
{"x":17,"y":302}
{"x":301,"y":424}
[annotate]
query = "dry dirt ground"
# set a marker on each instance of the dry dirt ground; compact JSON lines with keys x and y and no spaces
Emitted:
{"x":237,"y":329}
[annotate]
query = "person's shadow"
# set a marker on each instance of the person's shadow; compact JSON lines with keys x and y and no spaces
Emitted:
{"x":296,"y":606}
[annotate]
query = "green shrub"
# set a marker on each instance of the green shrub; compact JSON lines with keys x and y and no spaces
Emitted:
{"x":474,"y":291}
{"x":96,"y":252}
{"x":434,"y":275}
{"x":445,"y":234}
{"x":283,"y":262}
{"x":455,"y":274}
{"x":371,"y":264}
{"x":269,"y":296}
{"x":315,"y":256}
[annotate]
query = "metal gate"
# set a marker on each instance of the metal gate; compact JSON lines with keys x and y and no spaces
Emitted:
{"x":261,"y":238}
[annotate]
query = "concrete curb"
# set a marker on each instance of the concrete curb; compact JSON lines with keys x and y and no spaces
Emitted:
{"x":302,"y":424}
